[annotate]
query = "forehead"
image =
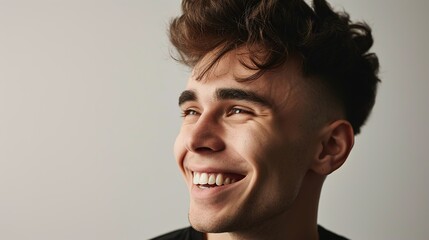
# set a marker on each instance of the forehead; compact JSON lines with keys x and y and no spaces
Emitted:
{"x":276,"y":85}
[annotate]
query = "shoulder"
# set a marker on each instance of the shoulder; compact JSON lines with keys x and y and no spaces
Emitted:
{"x":325,"y":234}
{"x":181,"y":234}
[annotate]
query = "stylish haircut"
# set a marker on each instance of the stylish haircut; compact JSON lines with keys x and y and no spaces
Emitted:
{"x":333,"y":49}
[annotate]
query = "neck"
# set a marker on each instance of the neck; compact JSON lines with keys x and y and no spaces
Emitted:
{"x":299,"y":222}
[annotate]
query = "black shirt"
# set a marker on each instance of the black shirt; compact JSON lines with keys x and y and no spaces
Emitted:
{"x":191,"y":234}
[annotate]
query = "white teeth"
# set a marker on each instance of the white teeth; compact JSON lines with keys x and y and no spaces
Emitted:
{"x":196,"y":178}
{"x":203,"y":178}
{"x":227,"y":181}
{"x":219,"y":179}
{"x":211,"y":179}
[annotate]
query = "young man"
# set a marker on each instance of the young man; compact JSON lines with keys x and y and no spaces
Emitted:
{"x":277,"y":93}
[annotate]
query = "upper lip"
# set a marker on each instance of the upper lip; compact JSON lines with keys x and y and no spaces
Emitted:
{"x":206,"y":169}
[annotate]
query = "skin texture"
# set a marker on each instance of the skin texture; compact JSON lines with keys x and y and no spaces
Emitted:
{"x":280,"y":147}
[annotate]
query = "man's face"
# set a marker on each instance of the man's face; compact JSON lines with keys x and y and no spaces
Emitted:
{"x":244,"y":147}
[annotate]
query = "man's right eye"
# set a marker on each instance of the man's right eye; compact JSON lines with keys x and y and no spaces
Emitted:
{"x":189,"y":112}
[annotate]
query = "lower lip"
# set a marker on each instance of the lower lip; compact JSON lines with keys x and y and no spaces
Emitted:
{"x":213,"y":192}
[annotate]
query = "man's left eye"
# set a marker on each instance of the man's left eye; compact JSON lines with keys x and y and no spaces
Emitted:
{"x":236,"y":110}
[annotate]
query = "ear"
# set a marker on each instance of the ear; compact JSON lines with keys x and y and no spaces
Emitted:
{"x":336,"y":142}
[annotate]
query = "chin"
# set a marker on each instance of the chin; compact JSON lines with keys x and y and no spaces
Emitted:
{"x":208,"y":223}
{"x":203,"y":222}
{"x":210,"y":226}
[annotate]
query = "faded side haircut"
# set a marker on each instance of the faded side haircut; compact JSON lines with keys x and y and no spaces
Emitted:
{"x":333,"y":49}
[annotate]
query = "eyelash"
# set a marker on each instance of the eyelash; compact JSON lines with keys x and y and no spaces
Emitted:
{"x":232,"y":111}
{"x":188,"y":112}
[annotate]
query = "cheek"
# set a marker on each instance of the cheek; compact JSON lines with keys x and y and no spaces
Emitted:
{"x":254,"y":141}
{"x":276,"y":158}
{"x":257,"y":145}
{"x":179,"y":150}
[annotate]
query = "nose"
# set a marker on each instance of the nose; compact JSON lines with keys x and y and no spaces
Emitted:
{"x":205,"y":136}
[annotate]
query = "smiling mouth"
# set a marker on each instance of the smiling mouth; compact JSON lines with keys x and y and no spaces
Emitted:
{"x":211,"y":180}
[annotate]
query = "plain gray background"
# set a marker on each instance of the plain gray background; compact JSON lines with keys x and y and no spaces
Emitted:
{"x":88,"y":117}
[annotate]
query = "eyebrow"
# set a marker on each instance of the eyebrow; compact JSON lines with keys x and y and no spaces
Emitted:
{"x":226,"y":94}
{"x":240,"y":94}
{"x":187,"y":96}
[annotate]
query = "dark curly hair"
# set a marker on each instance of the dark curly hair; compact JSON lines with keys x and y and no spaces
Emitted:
{"x":333,"y":49}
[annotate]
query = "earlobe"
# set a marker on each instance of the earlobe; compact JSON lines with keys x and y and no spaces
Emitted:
{"x":336,"y":143}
